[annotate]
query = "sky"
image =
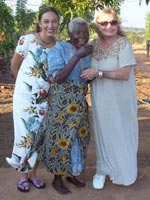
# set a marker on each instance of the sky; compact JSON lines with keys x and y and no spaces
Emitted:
{"x":132,"y":14}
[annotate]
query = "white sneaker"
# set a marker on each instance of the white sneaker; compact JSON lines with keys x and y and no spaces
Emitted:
{"x":98,"y":181}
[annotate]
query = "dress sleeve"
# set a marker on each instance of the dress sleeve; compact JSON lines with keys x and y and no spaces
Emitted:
{"x":55,"y":60}
{"x":126,"y":55}
{"x":22,"y":46}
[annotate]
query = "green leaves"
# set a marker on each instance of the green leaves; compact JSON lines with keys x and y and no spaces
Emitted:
{"x":13,"y":26}
{"x":147,"y":26}
{"x":69,"y":9}
{"x":6,"y":28}
{"x":23,"y":18}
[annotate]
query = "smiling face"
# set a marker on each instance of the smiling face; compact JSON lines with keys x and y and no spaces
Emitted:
{"x":79,"y":35}
{"x":49,"y":23}
{"x":107,"y":25}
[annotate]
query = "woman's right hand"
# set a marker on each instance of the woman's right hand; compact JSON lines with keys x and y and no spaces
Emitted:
{"x":89,"y":74}
{"x":84,"y":51}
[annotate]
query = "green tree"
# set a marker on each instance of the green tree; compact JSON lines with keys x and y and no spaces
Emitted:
{"x":13,"y":26}
{"x":24,"y":18}
{"x":6,"y":28}
{"x":147,"y":26}
{"x":69,"y":9}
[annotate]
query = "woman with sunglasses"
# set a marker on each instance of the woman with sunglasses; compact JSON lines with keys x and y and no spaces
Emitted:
{"x":114,"y":103}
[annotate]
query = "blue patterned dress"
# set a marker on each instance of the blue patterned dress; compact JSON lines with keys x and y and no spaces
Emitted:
{"x":66,"y":138}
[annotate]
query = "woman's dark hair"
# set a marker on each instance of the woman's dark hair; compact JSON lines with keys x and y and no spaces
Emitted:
{"x":42,"y":11}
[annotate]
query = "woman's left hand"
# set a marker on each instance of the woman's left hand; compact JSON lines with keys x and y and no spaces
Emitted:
{"x":89,"y":74}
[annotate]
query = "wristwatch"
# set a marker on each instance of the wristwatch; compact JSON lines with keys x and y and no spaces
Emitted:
{"x":100,"y":74}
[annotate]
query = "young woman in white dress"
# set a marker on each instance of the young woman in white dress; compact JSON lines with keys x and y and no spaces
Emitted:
{"x":29,"y":66}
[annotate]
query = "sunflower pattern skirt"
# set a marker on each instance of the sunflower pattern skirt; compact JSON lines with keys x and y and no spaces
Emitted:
{"x":66,"y":121}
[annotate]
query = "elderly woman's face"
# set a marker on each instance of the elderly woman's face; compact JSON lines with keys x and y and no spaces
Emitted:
{"x":80,"y":35}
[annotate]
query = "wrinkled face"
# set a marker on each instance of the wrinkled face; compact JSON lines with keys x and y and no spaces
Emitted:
{"x":79,"y":36}
{"x":49,"y":23}
{"x":107,"y":25}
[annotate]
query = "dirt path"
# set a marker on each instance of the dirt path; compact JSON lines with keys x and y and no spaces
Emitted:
{"x":139,"y":191}
{"x":143,"y":92}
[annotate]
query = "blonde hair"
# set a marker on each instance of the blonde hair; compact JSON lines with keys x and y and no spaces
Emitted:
{"x":77,"y":20}
{"x":107,"y":11}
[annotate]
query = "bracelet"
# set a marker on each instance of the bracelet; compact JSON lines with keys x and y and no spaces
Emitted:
{"x":100,"y":74}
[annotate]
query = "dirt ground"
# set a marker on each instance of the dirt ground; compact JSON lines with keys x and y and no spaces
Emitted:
{"x":142,"y":73}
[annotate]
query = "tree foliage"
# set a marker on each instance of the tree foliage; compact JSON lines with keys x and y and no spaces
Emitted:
{"x":147,"y":26}
{"x":13,"y":26}
{"x":135,"y":36}
{"x":24,"y":18}
{"x":7,"y":21}
{"x":69,"y":9}
{"x":6,"y":28}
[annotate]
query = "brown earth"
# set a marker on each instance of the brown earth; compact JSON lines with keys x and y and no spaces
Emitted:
{"x":139,"y":191}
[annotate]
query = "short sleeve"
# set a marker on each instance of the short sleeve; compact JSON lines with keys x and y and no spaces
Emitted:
{"x":55,"y":60}
{"x":22,"y":46}
{"x":126,"y":55}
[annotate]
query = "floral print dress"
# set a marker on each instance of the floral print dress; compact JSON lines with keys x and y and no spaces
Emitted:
{"x":64,"y":140}
{"x":29,"y":101}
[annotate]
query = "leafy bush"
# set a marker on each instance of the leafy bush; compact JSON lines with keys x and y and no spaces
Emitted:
{"x":13,"y":26}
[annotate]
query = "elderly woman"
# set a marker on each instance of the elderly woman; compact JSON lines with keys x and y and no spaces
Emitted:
{"x":67,"y":127}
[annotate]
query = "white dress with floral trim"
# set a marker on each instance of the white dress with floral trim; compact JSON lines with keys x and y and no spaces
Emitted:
{"x":114,"y":110}
{"x":29,"y":101}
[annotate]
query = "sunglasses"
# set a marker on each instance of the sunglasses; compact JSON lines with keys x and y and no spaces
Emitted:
{"x":105,"y":23}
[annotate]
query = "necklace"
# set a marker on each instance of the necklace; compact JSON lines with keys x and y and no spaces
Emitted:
{"x":45,"y":41}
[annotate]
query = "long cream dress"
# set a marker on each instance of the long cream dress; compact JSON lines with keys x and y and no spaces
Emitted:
{"x":114,"y":106}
